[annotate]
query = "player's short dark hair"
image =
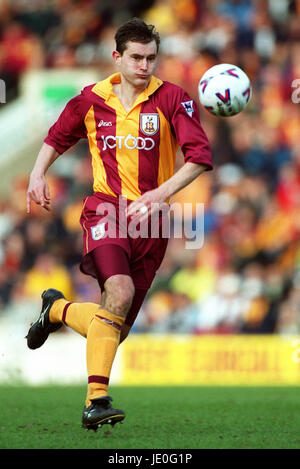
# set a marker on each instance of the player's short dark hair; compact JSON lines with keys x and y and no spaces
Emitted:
{"x":135,"y":30}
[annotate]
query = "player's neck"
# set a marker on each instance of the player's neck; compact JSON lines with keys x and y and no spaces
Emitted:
{"x":127,"y":93}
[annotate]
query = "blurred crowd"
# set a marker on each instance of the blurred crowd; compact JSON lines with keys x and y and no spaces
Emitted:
{"x":246,"y":276}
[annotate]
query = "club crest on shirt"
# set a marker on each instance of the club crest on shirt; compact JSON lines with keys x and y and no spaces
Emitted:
{"x":98,"y":231}
{"x":149,"y":123}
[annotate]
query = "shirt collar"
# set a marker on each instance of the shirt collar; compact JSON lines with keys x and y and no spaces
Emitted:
{"x":104,"y":88}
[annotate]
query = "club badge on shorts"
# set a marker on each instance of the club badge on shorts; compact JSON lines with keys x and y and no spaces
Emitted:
{"x":98,"y":231}
{"x":149,"y":123}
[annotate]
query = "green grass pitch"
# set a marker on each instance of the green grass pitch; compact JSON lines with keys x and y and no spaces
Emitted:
{"x":157,"y":417}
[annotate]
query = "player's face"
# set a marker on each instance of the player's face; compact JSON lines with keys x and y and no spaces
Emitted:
{"x":137,"y":63}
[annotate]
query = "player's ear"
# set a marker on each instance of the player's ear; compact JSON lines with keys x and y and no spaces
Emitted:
{"x":116,"y":57}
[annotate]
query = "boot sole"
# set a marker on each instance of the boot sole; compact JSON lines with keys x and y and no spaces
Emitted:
{"x":112,"y":420}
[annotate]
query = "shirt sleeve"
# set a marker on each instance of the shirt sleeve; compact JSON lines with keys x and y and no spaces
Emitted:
{"x":70,"y":127}
{"x":188,"y":130}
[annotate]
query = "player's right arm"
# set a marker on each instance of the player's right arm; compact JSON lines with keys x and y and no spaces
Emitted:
{"x":38,"y":189}
{"x":67,"y":130}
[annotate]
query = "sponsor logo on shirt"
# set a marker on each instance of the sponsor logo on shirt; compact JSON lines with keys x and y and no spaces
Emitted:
{"x":104,"y":124}
{"x":149,"y":123}
{"x":189,"y":107}
{"x":129,"y":141}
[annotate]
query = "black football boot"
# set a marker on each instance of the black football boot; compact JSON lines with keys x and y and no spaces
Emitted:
{"x":100,"y":412}
{"x":39,"y":331}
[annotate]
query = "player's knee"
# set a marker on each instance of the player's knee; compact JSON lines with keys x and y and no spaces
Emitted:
{"x":119,"y":293}
{"x":122,"y":304}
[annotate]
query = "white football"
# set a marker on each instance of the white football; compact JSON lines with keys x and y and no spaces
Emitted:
{"x":224,"y":90}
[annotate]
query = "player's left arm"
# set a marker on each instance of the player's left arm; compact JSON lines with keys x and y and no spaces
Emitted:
{"x":179,"y":180}
{"x":184,"y":176}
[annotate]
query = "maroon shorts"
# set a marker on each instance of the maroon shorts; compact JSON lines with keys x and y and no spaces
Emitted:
{"x":104,"y":224}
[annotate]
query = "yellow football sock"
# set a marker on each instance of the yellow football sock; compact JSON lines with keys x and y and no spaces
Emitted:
{"x":102,"y":342}
{"x":77,"y":316}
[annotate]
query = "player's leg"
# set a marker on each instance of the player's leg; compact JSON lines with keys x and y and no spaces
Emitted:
{"x":56,"y":311}
{"x":111,"y":266}
{"x":103,"y":262}
{"x":100,"y":411}
{"x":103,"y":334}
{"x":139,"y":297}
{"x":143,"y":270}
{"x":103,"y":338}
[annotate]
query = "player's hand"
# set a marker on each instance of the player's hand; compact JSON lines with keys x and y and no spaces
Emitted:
{"x":146,"y":205}
{"x":38,"y":192}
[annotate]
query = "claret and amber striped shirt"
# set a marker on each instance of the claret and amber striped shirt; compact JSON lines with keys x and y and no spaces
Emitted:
{"x":132,"y":152}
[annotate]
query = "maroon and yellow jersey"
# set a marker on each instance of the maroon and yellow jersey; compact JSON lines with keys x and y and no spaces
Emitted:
{"x":132,"y":152}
